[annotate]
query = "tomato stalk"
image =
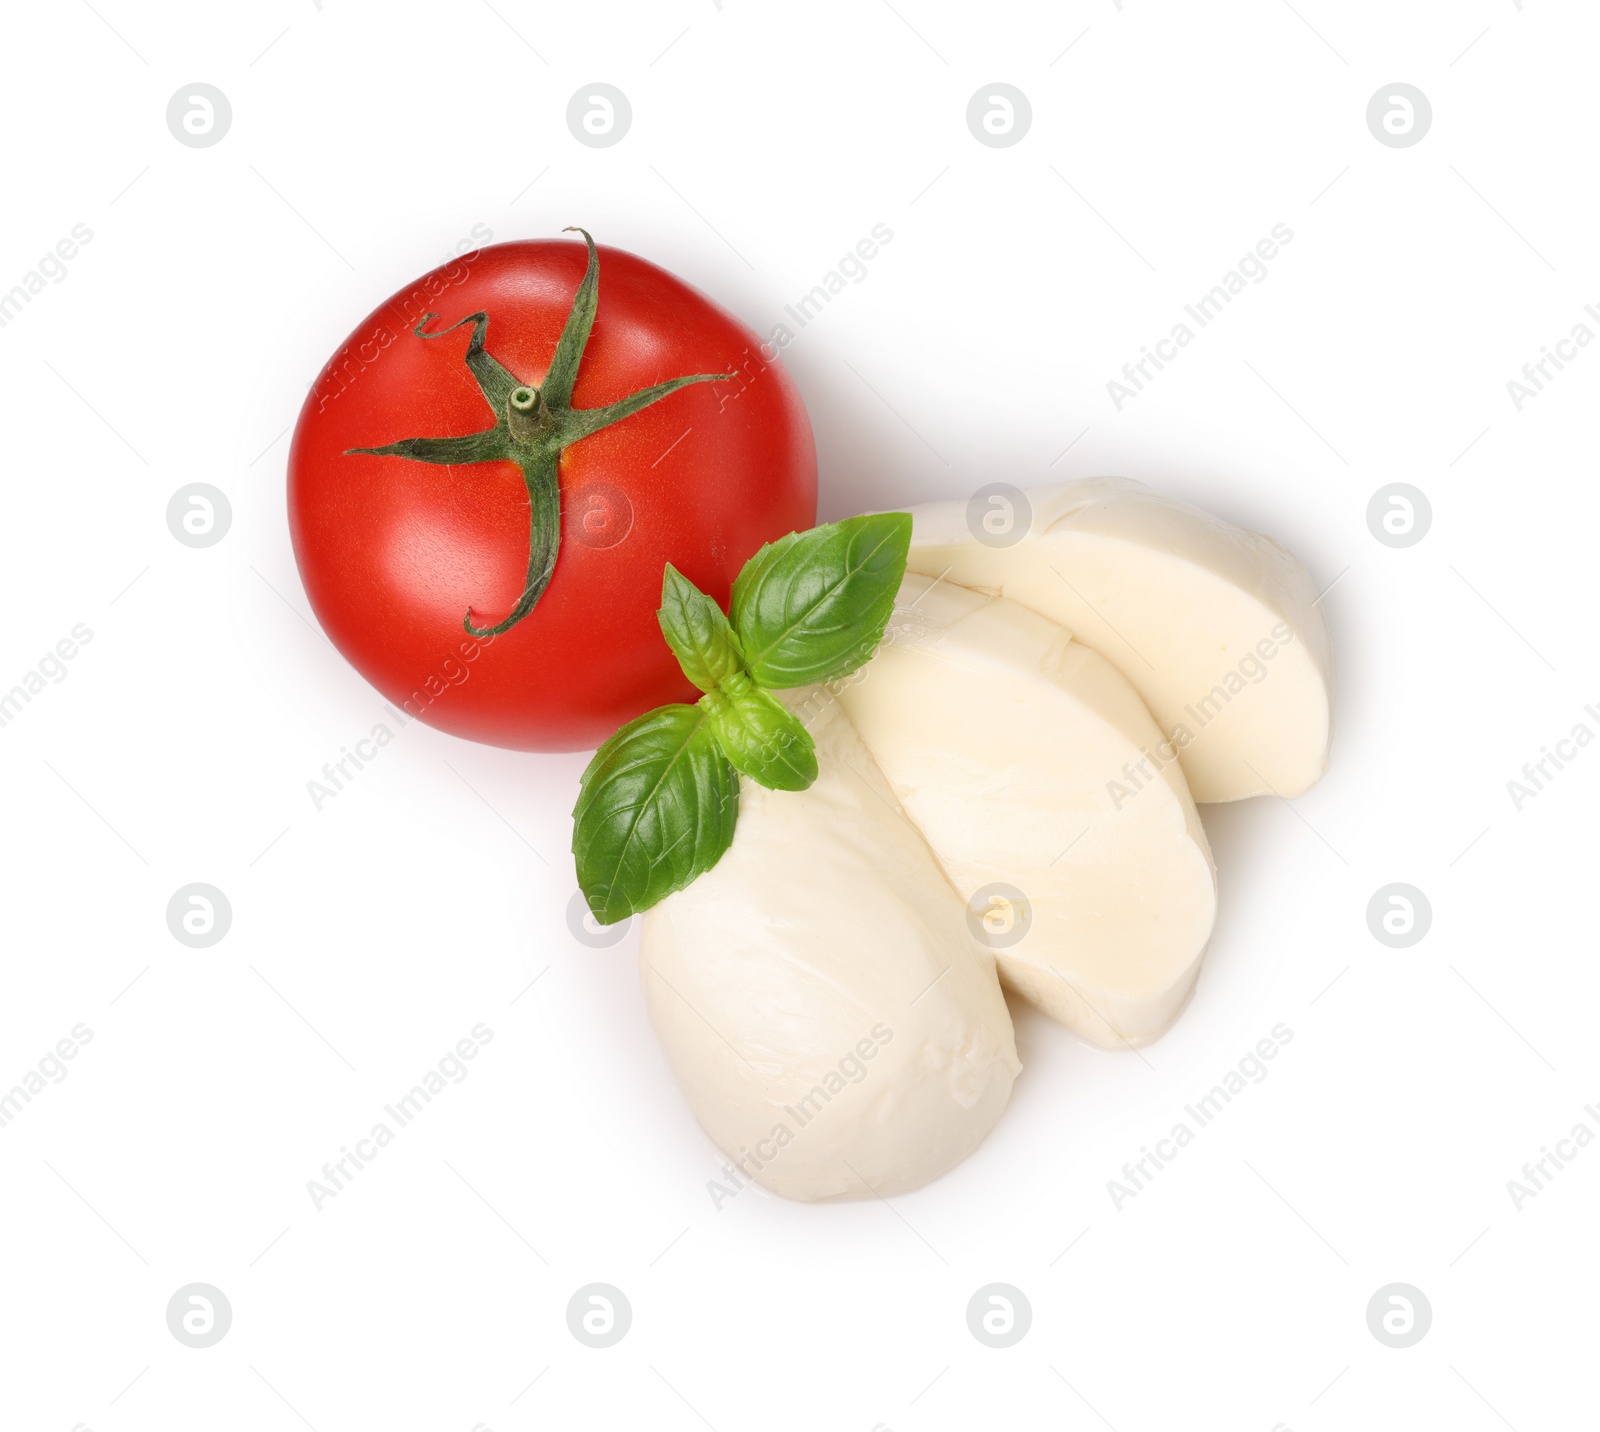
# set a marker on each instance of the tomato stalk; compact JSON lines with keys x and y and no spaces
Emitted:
{"x":533,"y":426}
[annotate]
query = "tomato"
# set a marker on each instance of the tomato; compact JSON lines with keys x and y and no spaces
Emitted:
{"x":495,"y":565}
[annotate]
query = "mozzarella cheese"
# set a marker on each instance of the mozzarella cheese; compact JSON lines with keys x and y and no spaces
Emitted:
{"x":1033,"y":770}
{"x":836,"y":1026}
{"x":1218,"y":629}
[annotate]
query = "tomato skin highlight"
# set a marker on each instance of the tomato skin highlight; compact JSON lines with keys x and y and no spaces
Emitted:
{"x":393,"y":552}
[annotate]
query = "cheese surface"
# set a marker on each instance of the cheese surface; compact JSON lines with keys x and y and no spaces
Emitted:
{"x":836,"y":1026}
{"x":1031,"y":766}
{"x":1217,"y":628}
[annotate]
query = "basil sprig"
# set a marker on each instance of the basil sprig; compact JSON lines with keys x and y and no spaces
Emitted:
{"x":813,"y":606}
{"x":657,"y":804}
{"x":697,"y":632}
{"x":761,"y":737}
{"x":655,"y":808}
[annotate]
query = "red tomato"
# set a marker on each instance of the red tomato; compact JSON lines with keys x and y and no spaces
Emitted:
{"x":395,"y":552}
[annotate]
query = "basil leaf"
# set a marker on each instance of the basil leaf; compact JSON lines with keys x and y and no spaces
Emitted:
{"x":656,"y":808}
{"x":762,"y":738}
{"x":697,"y":632}
{"x":812,"y":606}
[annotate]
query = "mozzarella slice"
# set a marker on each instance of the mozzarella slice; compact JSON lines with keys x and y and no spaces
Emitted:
{"x":1033,"y":769}
{"x":835,"y":1024}
{"x":1217,"y":628}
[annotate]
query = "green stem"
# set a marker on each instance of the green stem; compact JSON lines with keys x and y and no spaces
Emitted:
{"x":522,"y":414}
{"x":532,"y":427}
{"x":544,"y":539}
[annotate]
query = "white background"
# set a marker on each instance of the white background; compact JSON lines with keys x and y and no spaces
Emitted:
{"x":1167,"y":138}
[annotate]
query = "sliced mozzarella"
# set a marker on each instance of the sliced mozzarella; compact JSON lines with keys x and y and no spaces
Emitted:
{"x":1034,"y":771}
{"x":1217,"y":628}
{"x":835,"y":1024}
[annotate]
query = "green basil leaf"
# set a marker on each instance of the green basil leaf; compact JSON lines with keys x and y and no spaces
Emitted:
{"x":656,"y":808}
{"x":762,"y":738}
{"x":697,"y":632}
{"x":812,"y":606}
